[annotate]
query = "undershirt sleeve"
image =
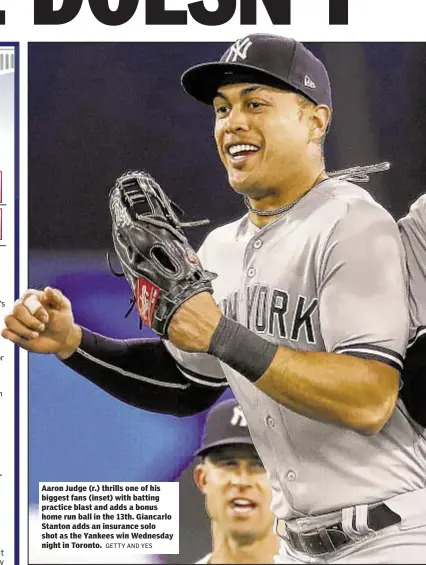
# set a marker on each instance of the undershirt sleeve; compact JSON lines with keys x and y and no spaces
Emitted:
{"x":142,"y":373}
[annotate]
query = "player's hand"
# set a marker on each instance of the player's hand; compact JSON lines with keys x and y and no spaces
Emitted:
{"x":42,"y":321}
{"x":194,"y":323}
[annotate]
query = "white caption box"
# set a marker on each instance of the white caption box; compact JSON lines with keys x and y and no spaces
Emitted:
{"x":134,"y":517}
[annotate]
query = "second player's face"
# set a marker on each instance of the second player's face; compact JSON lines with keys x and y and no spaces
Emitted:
{"x":237,"y":492}
{"x":262,"y":136}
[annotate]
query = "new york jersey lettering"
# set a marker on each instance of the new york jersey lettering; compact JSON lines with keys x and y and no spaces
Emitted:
{"x":272,"y":311}
{"x":303,"y":319}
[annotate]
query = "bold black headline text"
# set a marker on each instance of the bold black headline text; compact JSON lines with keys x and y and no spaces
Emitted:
{"x":279,"y":12}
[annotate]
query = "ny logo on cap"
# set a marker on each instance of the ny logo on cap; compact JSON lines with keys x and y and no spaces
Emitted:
{"x":239,"y":50}
{"x":238,"y":418}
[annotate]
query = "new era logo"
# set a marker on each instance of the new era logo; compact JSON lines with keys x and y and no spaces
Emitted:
{"x":309,"y":82}
{"x":238,"y":418}
{"x":239,"y":50}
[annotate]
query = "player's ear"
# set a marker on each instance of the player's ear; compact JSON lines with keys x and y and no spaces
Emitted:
{"x":200,"y":477}
{"x":320,"y":118}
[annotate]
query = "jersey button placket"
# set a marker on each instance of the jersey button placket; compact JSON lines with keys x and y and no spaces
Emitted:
{"x":258,"y":244}
{"x":270,"y":422}
{"x":251,"y":272}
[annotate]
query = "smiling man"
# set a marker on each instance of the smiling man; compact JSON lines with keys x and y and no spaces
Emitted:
{"x":267,"y":121}
{"x":237,"y":492}
{"x":272,"y":103}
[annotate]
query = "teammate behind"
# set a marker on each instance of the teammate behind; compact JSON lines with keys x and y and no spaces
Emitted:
{"x":237,"y":492}
{"x":413,"y":233}
{"x":308,"y":322}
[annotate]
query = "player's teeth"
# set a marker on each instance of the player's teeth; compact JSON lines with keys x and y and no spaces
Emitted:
{"x":242,"y":502}
{"x":240,"y":148}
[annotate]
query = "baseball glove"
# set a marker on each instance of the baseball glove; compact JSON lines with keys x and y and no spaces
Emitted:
{"x":160,"y":266}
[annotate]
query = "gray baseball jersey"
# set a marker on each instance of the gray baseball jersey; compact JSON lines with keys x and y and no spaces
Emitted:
{"x":413,"y":233}
{"x":328,"y":275}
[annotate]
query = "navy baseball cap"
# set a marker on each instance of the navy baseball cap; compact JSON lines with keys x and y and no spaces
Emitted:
{"x":225,"y":425}
{"x":266,"y":59}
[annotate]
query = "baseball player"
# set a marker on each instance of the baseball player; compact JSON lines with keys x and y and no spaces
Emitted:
{"x":413,"y":233}
{"x":237,"y":492}
{"x":308,"y":322}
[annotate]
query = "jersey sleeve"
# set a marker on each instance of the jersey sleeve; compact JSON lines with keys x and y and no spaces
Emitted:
{"x":413,"y":234}
{"x":363,"y":299}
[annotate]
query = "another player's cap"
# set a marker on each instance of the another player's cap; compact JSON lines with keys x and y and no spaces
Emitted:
{"x":225,"y":425}
{"x":267,"y":59}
